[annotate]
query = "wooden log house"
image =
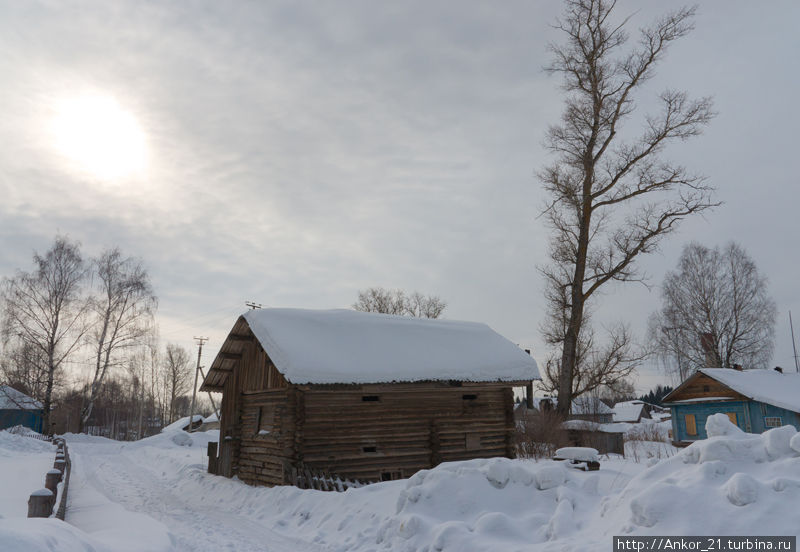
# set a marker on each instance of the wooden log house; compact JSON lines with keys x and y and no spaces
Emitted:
{"x":754,"y":400}
{"x":361,"y":395}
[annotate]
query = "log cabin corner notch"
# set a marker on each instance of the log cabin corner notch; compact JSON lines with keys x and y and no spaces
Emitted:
{"x":366,"y":396}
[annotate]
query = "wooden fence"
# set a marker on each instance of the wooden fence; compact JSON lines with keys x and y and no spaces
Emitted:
{"x":305,"y":477}
{"x":42,"y":502}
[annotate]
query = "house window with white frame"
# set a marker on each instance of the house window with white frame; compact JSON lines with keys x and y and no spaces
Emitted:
{"x":772,"y":421}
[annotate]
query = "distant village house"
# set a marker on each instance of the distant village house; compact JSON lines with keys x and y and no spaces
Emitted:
{"x":18,"y":409}
{"x":754,"y":400}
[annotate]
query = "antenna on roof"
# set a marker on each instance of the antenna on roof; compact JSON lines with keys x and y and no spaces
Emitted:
{"x":794,"y":347}
{"x":253,"y":305}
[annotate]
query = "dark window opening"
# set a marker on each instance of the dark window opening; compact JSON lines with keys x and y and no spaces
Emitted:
{"x":369,"y":449}
{"x":370,"y":398}
{"x":391,"y":476}
{"x":705,"y":389}
{"x":469,"y":397}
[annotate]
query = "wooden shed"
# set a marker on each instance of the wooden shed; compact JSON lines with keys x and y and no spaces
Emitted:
{"x":361,"y":395}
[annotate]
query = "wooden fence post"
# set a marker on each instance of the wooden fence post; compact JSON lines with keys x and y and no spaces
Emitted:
{"x":51,"y":481}
{"x":212,"y":457}
{"x":40,"y":503}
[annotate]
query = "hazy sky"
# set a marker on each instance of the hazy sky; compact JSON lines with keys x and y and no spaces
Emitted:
{"x":292,"y":153}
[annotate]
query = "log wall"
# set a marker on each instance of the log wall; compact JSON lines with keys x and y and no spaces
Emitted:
{"x":267,"y":437}
{"x":391,"y":431}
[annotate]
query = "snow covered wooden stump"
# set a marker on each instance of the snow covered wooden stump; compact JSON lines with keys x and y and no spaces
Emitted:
{"x":60,"y":465}
{"x":40,"y":503}
{"x":583,"y":458}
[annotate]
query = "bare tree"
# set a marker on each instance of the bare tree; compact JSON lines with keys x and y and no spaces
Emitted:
{"x":178,"y":375}
{"x":123,"y":315}
{"x":715,"y":312}
{"x":598,"y":366}
{"x":23,"y":366}
{"x":611,"y":200}
{"x":44,"y":309}
{"x":378,"y":299}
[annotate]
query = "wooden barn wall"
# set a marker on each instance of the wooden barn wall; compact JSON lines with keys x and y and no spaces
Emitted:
{"x":408,"y":428}
{"x":267,"y":437}
{"x":229,"y":428}
{"x":261,"y":392}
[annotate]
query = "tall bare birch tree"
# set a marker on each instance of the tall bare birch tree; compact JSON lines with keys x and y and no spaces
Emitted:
{"x":45,"y":309}
{"x":123,"y":310}
{"x":716,"y":312}
{"x":611,"y":199}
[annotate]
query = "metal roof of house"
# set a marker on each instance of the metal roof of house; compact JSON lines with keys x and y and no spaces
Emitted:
{"x":11,"y":399}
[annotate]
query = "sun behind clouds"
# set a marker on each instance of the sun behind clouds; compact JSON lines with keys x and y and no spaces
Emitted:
{"x":103,"y":138}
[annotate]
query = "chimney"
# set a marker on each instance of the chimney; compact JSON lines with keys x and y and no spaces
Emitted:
{"x":738,"y":367}
{"x":779,"y":369}
{"x":707,"y":344}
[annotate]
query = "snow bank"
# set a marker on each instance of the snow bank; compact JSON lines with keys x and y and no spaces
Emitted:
{"x":732,"y":475}
{"x":11,"y":443}
{"x":23,"y":463}
{"x":45,"y":535}
{"x":487,"y":505}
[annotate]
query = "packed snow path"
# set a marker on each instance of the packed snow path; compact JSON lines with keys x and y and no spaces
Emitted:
{"x":108,"y":476}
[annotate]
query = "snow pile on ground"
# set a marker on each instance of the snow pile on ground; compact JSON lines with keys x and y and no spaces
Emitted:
{"x":45,"y":535}
{"x":732,"y":475}
{"x":155,"y":494}
{"x":12,"y":442}
{"x":488,"y":504}
{"x":23,"y":464}
{"x":182,"y":423}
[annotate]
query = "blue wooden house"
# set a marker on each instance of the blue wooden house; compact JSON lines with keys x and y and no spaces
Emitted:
{"x":754,"y":400}
{"x":18,"y":409}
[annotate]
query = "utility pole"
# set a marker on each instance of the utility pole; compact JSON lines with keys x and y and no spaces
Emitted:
{"x":200,"y":341}
{"x":794,"y":347}
{"x":253,"y":305}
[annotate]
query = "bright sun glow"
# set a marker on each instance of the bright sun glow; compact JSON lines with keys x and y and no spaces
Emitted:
{"x":103,"y":138}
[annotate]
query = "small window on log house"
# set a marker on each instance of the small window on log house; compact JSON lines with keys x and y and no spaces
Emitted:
{"x":472,"y":441}
{"x":469,"y":397}
{"x":391,"y":476}
{"x":370,"y":398}
{"x":266,"y":420}
{"x":370,"y":449}
{"x":705,"y":389}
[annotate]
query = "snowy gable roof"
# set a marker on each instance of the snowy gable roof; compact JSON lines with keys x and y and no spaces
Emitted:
{"x":11,"y":399}
{"x":346,"y":346}
{"x":767,"y":386}
{"x":628,"y":411}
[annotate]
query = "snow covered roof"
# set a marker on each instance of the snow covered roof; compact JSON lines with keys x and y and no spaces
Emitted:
{"x":767,"y":386}
{"x":628,"y":411}
{"x":347,"y":346}
{"x":11,"y":399}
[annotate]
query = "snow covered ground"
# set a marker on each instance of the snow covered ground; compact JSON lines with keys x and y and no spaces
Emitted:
{"x":154,"y":495}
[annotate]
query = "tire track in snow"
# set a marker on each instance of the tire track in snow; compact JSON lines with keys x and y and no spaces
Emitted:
{"x":136,"y":488}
